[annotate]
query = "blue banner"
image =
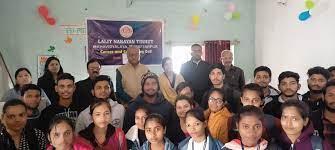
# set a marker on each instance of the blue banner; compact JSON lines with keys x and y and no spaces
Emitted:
{"x":108,"y":40}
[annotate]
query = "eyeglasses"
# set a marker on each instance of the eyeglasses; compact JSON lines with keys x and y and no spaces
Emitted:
{"x":216,"y":100}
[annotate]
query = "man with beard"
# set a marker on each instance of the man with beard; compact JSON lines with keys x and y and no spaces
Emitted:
{"x":65,"y":105}
{"x":31,"y":96}
{"x":102,"y":91}
{"x":317,"y":80}
{"x":84,"y":87}
{"x":262,"y":77}
{"x":234,"y":76}
{"x":153,"y":100}
{"x":216,"y":76}
{"x":196,"y":72}
{"x":289,"y":86}
{"x":324,"y":119}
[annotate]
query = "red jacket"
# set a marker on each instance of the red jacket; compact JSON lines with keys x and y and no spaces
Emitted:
{"x":78,"y":144}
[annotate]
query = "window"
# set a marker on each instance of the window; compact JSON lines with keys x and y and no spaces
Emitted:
{"x":182,"y":54}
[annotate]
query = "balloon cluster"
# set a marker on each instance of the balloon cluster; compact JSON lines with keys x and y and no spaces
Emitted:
{"x":314,"y":8}
{"x":309,"y":4}
{"x":44,"y":13}
{"x":231,"y":12}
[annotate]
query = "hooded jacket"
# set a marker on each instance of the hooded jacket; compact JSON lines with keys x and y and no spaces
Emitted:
{"x":161,"y":106}
{"x":78,"y":144}
{"x":303,"y":142}
{"x":133,"y":137}
{"x":85,"y":119}
{"x":115,"y":138}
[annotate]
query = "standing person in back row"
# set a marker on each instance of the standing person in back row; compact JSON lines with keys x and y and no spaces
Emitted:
{"x":47,"y":82}
{"x":196,"y":73}
{"x":234,"y":76}
{"x":84,"y":87}
{"x":128,"y":76}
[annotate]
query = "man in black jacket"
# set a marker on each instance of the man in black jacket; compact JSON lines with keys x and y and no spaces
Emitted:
{"x":153,"y":100}
{"x":196,"y":73}
{"x":234,"y":76}
{"x":66,"y":105}
{"x":324,"y":118}
{"x":317,"y":80}
{"x":216,"y":76}
{"x":84,"y":87}
{"x":289,"y":86}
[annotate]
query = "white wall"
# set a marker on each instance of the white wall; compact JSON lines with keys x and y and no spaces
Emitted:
{"x":24,"y":36}
{"x":285,"y":43}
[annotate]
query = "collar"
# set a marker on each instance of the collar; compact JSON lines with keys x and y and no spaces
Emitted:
{"x":196,"y":62}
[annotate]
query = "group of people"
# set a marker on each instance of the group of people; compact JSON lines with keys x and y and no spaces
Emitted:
{"x":205,"y":107}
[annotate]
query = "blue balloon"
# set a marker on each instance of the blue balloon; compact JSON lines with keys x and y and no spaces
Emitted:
{"x":304,"y":16}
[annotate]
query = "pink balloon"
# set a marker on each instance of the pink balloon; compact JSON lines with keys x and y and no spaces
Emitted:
{"x":231,"y":7}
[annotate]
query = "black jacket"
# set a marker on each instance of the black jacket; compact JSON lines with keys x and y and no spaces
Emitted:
{"x":317,"y":118}
{"x":31,"y":139}
{"x":84,"y":93}
{"x":197,"y":76}
{"x":162,"y":106}
{"x":178,"y":134}
{"x":56,"y":110}
{"x":313,"y":105}
{"x":47,"y":83}
{"x":274,"y":107}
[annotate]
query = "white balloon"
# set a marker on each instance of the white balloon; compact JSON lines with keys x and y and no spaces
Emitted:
{"x":228,"y":15}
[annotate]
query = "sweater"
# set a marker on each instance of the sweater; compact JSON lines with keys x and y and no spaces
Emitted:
{"x":128,"y":81}
{"x":85,"y":119}
{"x":167,"y":90}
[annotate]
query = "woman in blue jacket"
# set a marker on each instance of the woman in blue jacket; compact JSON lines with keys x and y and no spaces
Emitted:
{"x":199,"y":139}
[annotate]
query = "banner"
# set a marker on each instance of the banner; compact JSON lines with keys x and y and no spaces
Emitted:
{"x":108,"y":40}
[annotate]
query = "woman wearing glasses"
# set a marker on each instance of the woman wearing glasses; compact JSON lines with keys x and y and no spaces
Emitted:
{"x":217,"y":115}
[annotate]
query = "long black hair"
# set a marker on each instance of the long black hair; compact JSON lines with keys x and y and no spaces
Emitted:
{"x":198,"y":114}
{"x":47,"y":73}
{"x":17,"y":86}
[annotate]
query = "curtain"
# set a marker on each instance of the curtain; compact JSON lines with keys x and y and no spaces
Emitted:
{"x":213,"y":50}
